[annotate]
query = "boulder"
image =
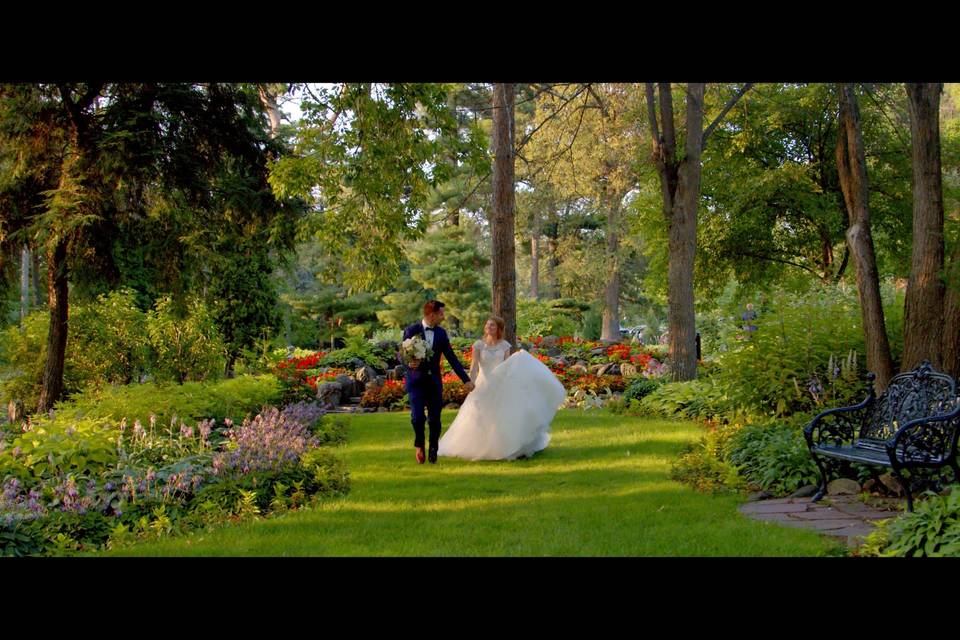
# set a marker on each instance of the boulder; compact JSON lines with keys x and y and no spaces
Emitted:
{"x":579,"y":368}
{"x":348,"y":386}
{"x":328,"y":394}
{"x":597,"y":368}
{"x":553,"y":351}
{"x":760,"y":495}
{"x":611,"y":369}
{"x":560,"y":361}
{"x":364,"y":376}
{"x":627,"y":369}
{"x":843,"y":487}
{"x":804,"y":492}
{"x":549,"y":341}
{"x":397,"y":373}
{"x":599,"y":351}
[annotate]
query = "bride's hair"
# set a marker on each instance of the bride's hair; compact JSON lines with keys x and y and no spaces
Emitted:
{"x":500,"y":322}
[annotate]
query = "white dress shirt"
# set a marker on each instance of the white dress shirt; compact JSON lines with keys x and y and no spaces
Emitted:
{"x":427,"y":333}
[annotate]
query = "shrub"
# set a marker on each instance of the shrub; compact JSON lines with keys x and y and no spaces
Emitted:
{"x":542,"y":319}
{"x":703,"y":466}
{"x":773,"y":456}
{"x":357,"y":351}
{"x":185,"y":346}
{"x":932,"y":530}
{"x":641,"y":387}
{"x":390,"y":395}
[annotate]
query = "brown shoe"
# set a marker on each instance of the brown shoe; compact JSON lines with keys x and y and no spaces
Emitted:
{"x":421,"y":456}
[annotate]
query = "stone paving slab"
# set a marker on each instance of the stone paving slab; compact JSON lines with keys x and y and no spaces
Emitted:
{"x":839,"y":516}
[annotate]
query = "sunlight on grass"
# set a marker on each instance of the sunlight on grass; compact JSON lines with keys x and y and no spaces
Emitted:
{"x":601,"y":488}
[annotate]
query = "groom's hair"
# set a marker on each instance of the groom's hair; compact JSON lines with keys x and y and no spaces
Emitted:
{"x":432,"y":307}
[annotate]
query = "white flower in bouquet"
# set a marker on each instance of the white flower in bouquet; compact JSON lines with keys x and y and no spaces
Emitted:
{"x":415,"y":348}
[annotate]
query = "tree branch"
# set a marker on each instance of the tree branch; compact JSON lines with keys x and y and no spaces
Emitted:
{"x":526,"y":138}
{"x":732,"y":101}
{"x":780,"y":260}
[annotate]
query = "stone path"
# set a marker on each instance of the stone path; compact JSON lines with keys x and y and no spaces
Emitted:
{"x":842,"y":516}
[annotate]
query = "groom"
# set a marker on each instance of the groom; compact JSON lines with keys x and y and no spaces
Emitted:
{"x":423,"y":382}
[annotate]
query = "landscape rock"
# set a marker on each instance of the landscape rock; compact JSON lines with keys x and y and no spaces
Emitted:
{"x":597,"y":368}
{"x":553,"y":351}
{"x":328,"y":394}
{"x":804,"y":492}
{"x":599,"y":351}
{"x":611,"y":369}
{"x":627,"y":369}
{"x":549,"y":341}
{"x":364,"y":376}
{"x":348,"y":386}
{"x":397,"y":373}
{"x":760,"y":495}
{"x":843,"y":487}
{"x":382,"y":410}
{"x":579,"y":368}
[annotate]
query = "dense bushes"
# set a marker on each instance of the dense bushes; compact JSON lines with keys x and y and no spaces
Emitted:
{"x":112,"y":342}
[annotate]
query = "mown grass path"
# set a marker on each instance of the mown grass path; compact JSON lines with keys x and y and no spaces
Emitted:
{"x":601,"y":488}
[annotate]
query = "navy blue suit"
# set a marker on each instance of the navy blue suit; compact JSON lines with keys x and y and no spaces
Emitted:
{"x":425,"y":386}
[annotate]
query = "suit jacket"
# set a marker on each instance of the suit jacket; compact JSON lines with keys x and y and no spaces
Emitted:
{"x":430,"y":368}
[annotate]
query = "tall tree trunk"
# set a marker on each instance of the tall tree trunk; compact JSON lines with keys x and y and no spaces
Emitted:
{"x":535,"y":266}
{"x":951,"y":317}
{"x":24,"y":283}
{"x":52,"y":388}
{"x":37,"y":289}
{"x":923,"y":312}
{"x":269,"y":102}
{"x":683,"y":244}
{"x":502,"y":219}
{"x":611,"y":293}
{"x":852,"y":168}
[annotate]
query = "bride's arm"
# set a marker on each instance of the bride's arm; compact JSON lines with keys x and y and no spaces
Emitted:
{"x":475,"y":363}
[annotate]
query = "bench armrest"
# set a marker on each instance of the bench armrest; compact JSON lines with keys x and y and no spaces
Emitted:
{"x":932,"y":439}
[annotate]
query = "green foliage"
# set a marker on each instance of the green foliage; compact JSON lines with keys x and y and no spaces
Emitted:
{"x":640,"y":387}
{"x":445,"y":262}
{"x":185,"y":346}
{"x":703,"y":465}
{"x":107,"y":342}
{"x":357,"y":349}
{"x":932,"y":530}
{"x":773,"y":456}
{"x":538,"y":318}
{"x":592,"y":326}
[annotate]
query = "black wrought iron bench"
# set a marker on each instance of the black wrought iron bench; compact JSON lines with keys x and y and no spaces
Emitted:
{"x":913,"y":424}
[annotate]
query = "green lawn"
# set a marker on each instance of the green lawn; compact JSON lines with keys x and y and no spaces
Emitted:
{"x":600,"y":489}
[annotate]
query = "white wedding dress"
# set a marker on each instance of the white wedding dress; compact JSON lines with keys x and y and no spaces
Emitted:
{"x":508,"y":414}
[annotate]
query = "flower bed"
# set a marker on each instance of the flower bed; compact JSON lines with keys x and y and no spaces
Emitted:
{"x":94,"y":486}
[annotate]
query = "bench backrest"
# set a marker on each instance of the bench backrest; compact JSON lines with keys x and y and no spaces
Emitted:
{"x":920,"y":393}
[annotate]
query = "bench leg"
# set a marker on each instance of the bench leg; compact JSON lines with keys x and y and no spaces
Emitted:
{"x":906,"y":487}
{"x":822,"y":489}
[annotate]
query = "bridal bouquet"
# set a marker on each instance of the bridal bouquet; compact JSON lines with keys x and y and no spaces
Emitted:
{"x":415,"y":348}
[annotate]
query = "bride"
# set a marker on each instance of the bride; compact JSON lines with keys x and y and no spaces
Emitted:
{"x":508,"y":413}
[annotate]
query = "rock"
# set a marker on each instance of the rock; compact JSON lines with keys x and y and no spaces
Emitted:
{"x":560,"y":361}
{"x":377,"y":382}
{"x":348,"y":386}
{"x":364,"y":376}
{"x":597,"y":368}
{"x":451,"y":405}
{"x":892,"y":484}
{"x":804,"y":492}
{"x":328,"y":394}
{"x":870,"y":485}
{"x":612,"y":369}
{"x":599,"y":351}
{"x":549,"y":341}
{"x":843,"y":487}
{"x":627,"y":369}
{"x":579,"y":368}
{"x":554,"y":351}
{"x":396,"y":373}
{"x":760,"y":495}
